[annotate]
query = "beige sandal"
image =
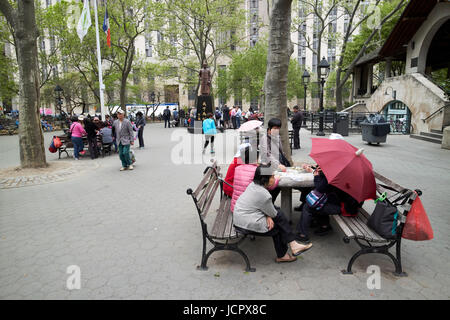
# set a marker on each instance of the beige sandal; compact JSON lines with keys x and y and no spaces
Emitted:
{"x":290,"y":259}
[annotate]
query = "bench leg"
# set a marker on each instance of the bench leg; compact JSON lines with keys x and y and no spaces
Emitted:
{"x":382,"y":250}
{"x":219,"y":247}
{"x":205,"y":257}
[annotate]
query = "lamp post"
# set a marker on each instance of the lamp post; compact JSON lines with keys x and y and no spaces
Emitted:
{"x":305,"y":79}
{"x":324,"y":68}
{"x":58,"y":91}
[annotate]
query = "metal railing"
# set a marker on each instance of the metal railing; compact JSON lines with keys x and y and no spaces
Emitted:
{"x":354,"y":120}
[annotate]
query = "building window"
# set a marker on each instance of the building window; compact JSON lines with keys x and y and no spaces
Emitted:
{"x":52,"y":43}
{"x":55,"y":72}
{"x":148,"y":45}
{"x":159,"y":36}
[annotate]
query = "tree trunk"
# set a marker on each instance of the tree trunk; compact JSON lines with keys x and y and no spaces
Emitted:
{"x":280,"y":50}
{"x":339,"y":88}
{"x":123,"y":93}
{"x":31,"y":139}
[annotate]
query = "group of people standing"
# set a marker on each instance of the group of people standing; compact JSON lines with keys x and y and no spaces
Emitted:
{"x":117,"y":131}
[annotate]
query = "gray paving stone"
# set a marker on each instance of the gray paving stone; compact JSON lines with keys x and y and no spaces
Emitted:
{"x":136,"y":234}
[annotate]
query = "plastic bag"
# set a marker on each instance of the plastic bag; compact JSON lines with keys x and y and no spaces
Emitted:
{"x":57,"y":142}
{"x":417,"y":226}
{"x":52,"y":147}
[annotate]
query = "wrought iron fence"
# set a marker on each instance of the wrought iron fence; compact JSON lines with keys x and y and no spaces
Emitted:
{"x":354,"y":120}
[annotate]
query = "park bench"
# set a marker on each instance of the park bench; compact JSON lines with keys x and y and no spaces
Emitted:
{"x":355,"y":228}
{"x":66,"y":145}
{"x":222,"y":234}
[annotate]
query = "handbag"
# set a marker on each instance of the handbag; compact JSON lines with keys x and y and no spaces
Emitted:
{"x":384,"y":219}
{"x":316,"y":200}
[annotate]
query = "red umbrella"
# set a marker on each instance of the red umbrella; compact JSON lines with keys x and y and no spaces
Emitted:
{"x":345,"y":167}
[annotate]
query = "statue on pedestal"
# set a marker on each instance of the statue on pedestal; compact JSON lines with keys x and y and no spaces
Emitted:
{"x":205,"y":80}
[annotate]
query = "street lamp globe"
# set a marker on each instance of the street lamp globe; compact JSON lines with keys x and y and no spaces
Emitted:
{"x":306,"y":77}
{"x":58,"y":89}
{"x":324,"y":68}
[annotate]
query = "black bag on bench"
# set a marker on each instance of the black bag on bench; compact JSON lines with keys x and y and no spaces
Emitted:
{"x":384,"y":220}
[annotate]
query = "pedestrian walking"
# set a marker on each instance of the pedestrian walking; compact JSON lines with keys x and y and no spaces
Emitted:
{"x":296,"y":121}
{"x":238,"y":117}
{"x":166,"y":116}
{"x":226,"y":116}
{"x":233,"y":117}
{"x":175,"y":117}
{"x":140,"y":124}
{"x":218,"y":116}
{"x":125,"y":138}
{"x":209,"y":129}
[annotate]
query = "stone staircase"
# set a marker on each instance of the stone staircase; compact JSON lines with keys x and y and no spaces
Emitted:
{"x":434,"y":136}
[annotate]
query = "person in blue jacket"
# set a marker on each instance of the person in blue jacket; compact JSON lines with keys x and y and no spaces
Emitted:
{"x":209,"y":129}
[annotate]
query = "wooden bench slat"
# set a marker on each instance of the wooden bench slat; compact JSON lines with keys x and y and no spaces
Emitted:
{"x":220,"y":221}
{"x":229,"y":228}
{"x":388,"y":182}
{"x":206,"y":193}
{"x":343,"y":225}
{"x":357,"y":229}
{"x":202,"y":183}
{"x":210,"y":199}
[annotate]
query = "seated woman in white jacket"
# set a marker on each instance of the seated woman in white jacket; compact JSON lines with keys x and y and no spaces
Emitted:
{"x":254,"y":213}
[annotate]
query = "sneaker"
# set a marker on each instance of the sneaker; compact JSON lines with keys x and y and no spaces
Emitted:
{"x":130,"y":167}
{"x":323,"y":231}
{"x":77,"y":159}
{"x":123,"y":169}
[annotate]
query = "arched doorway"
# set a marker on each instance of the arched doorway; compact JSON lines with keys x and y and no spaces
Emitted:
{"x":437,"y":55}
{"x":399,"y":116}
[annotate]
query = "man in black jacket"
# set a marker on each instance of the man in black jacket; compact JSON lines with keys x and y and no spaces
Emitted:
{"x":166,"y":115}
{"x":296,"y":121}
{"x":91,"y":127}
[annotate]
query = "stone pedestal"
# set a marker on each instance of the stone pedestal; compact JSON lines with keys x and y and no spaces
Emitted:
{"x":446,"y":138}
{"x":204,"y":106}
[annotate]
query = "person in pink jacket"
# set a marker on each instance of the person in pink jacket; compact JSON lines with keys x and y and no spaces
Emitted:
{"x":77,"y":132}
{"x":244,"y":174}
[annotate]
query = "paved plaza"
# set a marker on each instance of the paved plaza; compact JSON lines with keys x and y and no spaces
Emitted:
{"x":136,"y":234}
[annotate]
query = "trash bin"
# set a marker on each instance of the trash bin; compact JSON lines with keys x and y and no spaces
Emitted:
{"x":375,"y":129}
{"x":341,"y":123}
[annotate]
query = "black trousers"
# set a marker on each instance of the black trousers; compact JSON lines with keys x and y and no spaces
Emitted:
{"x":207,"y":142}
{"x":281,"y":233}
{"x":274,"y":193}
{"x":141,"y":136}
{"x":322,"y":216}
{"x":166,"y":121}
{"x":93,"y":150}
{"x":296,"y":137}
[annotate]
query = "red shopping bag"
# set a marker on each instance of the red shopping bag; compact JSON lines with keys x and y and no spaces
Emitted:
{"x":417,"y":226}
{"x":57,"y":142}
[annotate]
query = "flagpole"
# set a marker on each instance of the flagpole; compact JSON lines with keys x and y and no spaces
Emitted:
{"x":99,"y":59}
